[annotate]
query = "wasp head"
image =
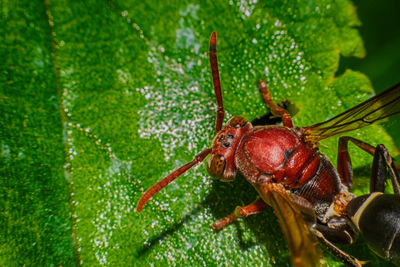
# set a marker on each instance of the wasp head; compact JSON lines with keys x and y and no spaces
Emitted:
{"x":221,"y":164}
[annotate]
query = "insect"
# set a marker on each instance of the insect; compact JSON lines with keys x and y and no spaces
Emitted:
{"x":284,"y":165}
{"x":377,"y":215}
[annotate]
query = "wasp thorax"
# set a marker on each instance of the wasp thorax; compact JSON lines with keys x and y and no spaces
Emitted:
{"x":221,"y":164}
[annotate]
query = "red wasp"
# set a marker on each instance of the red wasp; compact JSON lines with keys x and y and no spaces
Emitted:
{"x":285,"y":166}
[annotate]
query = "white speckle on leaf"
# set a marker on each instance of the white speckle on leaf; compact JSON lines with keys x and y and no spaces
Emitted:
{"x":113,"y":205}
{"x":245,"y":7}
{"x":124,"y":76}
{"x":5,"y":151}
{"x":162,"y":116}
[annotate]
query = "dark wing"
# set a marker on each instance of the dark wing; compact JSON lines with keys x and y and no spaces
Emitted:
{"x":376,"y":108}
{"x":302,"y":243}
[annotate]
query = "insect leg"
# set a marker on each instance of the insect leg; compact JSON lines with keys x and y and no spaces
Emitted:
{"x":254,"y":208}
{"x":340,"y":230}
{"x":337,"y":252}
{"x":382,"y":159}
{"x":344,"y":162}
{"x":276,"y":110}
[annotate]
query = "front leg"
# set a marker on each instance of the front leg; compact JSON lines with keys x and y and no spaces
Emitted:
{"x":256,"y":207}
{"x":276,"y":110}
{"x":340,"y":254}
{"x":344,"y":167}
{"x":383,"y":161}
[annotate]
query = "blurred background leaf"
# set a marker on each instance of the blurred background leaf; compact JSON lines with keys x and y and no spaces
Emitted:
{"x":99,"y":100}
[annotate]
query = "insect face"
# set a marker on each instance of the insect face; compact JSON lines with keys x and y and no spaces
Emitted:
{"x":221,"y":164}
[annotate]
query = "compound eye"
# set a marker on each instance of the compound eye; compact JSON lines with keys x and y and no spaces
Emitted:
{"x":216,"y":166}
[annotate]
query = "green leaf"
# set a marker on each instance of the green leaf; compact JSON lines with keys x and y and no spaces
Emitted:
{"x":100,"y":100}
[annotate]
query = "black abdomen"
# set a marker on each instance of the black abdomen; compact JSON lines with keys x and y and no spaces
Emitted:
{"x":380,"y":226}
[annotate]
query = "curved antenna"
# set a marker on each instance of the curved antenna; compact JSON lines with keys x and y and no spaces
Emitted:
{"x":172,"y":176}
{"x":216,"y":81}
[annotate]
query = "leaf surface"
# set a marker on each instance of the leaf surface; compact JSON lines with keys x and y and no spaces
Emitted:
{"x":100,"y":100}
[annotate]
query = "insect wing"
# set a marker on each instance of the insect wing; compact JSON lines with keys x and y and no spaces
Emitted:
{"x":376,"y":108}
{"x":302,"y":243}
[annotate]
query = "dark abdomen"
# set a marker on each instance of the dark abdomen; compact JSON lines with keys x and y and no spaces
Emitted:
{"x":321,"y":189}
